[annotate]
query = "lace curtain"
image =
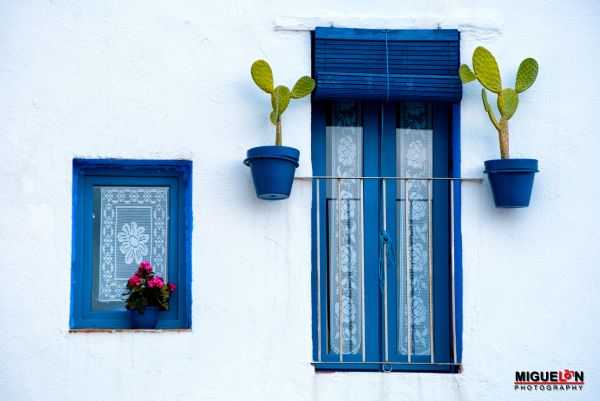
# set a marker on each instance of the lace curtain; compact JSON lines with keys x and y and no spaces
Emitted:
{"x":344,"y":159}
{"x":414,"y":150}
{"x":132,"y":227}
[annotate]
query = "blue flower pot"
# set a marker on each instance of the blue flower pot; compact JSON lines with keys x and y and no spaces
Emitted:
{"x":511,"y":181}
{"x":147,"y":320}
{"x":273,"y":169}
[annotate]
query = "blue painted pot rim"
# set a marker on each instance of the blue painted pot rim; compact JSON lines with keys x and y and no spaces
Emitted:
{"x":273,"y":152}
{"x":511,"y":166}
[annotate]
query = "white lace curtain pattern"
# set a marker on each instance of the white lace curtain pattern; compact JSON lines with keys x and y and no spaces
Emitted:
{"x":345,"y":160}
{"x":414,"y":137}
{"x":133,"y":228}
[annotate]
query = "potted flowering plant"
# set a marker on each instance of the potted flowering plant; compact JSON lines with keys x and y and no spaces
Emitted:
{"x":273,"y":167}
{"x":147,"y":295}
{"x":511,"y":179}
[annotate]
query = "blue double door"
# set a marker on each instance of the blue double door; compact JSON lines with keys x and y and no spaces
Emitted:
{"x":381,"y":266}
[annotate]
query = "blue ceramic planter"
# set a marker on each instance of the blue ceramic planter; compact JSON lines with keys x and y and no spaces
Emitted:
{"x":273,"y":169}
{"x":146,"y":321}
{"x":511,"y":181}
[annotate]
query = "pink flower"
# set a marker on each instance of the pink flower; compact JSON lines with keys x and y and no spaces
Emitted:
{"x":134,"y":281}
{"x":145,"y":268}
{"x":155,"y":282}
{"x":172,"y":287}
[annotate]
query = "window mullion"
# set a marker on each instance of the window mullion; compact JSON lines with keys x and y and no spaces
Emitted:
{"x":371,"y":152}
{"x":388,"y":169}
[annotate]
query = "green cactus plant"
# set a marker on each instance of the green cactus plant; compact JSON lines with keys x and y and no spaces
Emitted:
{"x":280,"y":95}
{"x":486,"y":71}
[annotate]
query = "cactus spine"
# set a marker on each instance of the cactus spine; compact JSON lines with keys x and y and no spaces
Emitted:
{"x":486,"y":71}
{"x":280,"y":95}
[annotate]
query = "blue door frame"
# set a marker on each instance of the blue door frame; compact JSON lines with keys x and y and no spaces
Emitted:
{"x":379,"y":147}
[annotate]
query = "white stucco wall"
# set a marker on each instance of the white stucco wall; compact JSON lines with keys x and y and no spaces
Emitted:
{"x":139,"y":79}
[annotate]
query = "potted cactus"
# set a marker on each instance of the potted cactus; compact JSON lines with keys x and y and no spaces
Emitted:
{"x":511,"y":179}
{"x":273,"y":167}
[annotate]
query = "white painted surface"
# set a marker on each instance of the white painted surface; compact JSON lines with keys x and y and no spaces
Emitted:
{"x":171,"y":80}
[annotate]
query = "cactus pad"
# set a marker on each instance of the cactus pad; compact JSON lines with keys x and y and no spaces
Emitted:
{"x":303,"y":87}
{"x":262,"y":75}
{"x":486,"y":69}
{"x":528,"y":71}
{"x":508,"y":100}
{"x":280,"y":99}
{"x":465,"y":74}
{"x":488,"y":109}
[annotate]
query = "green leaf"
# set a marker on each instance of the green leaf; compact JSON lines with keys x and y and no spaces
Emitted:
{"x":262,"y":75}
{"x":528,"y":71}
{"x":508,"y":100}
{"x":303,"y":87}
{"x":486,"y":69}
{"x":465,"y":74}
{"x":280,"y":99}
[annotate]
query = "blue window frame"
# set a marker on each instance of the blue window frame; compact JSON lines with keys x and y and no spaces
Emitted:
{"x":386,"y":105}
{"x":126,"y":211}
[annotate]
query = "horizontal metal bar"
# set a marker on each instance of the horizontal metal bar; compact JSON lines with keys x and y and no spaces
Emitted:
{"x":392,"y":178}
{"x":387,"y":363}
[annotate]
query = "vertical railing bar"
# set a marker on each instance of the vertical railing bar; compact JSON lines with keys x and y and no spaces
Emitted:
{"x":362,"y":267}
{"x":430,"y":254}
{"x":407,"y":250}
{"x":339,"y":263}
{"x":452,"y":267}
{"x":318,"y":223}
{"x":385,"y":286}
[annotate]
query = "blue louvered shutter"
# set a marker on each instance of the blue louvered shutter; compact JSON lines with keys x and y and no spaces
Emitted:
{"x":379,"y":64}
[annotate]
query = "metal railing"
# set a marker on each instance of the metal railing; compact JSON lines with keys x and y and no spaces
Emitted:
{"x":407,"y":245}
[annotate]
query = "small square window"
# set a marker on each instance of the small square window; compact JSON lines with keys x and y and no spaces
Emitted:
{"x":125,"y":212}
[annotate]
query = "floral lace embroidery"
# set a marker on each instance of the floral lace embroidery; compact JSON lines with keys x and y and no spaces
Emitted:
{"x":345,"y":160}
{"x":133,"y":242}
{"x":133,"y":228}
{"x":414,"y":146}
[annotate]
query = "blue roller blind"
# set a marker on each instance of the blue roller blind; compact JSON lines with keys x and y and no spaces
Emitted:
{"x":379,"y":64}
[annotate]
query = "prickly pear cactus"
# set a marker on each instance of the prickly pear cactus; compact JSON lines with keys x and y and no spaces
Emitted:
{"x":281,"y":95}
{"x":486,"y":71}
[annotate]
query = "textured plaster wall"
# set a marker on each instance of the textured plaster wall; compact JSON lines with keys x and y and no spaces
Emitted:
{"x":145,"y":79}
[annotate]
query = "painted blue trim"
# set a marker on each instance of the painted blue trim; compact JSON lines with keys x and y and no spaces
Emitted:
{"x":387,"y":160}
{"x":317,"y":124}
{"x":371,"y":167}
{"x":386,"y":64}
{"x":441,"y":234}
{"x":133,"y":163}
{"x":379,"y":158}
{"x":176,"y":174}
{"x":458,"y":266}
{"x":392,"y":34}
{"x":379,"y":154}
